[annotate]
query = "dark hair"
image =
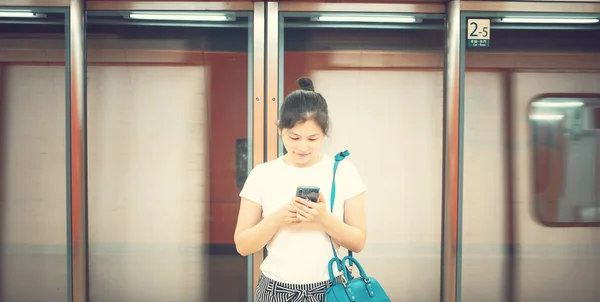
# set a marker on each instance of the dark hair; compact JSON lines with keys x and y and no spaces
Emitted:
{"x":302,"y":105}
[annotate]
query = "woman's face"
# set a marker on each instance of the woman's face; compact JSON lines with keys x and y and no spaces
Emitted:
{"x":302,"y":143}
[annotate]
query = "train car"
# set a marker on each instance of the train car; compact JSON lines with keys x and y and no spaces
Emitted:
{"x":129,"y":128}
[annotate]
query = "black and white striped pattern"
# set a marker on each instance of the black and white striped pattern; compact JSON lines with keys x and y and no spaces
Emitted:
{"x":269,"y":290}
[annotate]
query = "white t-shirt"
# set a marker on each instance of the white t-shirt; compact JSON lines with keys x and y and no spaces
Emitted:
{"x":300,"y":254}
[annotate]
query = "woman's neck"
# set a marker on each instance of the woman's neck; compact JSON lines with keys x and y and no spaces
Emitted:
{"x":289,"y":160}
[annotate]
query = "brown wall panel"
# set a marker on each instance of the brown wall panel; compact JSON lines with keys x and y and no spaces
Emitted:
{"x":228,"y":121}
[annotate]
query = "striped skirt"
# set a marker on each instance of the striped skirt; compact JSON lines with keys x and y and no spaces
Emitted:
{"x":269,"y":290}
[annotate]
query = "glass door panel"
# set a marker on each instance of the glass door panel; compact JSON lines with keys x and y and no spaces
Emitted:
{"x":170,"y":136}
{"x":531,"y":155}
{"x":33,"y":196}
{"x":382,"y":76}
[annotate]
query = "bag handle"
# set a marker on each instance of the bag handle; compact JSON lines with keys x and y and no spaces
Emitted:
{"x":351,"y":260}
{"x":332,"y":277}
{"x":338,"y":158}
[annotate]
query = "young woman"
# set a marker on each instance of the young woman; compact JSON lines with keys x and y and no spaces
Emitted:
{"x":297,"y":231}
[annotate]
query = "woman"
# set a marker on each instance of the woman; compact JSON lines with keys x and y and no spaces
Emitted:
{"x":296,"y":231}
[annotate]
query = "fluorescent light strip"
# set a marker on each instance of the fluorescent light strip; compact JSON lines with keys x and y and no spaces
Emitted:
{"x":546,"y":117}
{"x":557,"y":104}
{"x":378,"y":19}
{"x":178,"y":17}
{"x":18,"y":14}
{"x":549,"y":20}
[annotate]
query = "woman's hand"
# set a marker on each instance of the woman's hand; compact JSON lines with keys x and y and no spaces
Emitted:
{"x":286,"y":215}
{"x":309,"y":211}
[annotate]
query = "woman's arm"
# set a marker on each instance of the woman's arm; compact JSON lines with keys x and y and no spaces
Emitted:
{"x":352,"y":232}
{"x":252,"y":233}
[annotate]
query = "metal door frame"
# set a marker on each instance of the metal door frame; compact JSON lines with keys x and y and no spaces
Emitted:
{"x":275,"y":33}
{"x":256,"y":74}
{"x":76,"y":241}
{"x":487,"y":9}
{"x":77,"y":226}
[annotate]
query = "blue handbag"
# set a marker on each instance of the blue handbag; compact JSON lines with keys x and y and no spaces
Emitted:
{"x":350,"y":288}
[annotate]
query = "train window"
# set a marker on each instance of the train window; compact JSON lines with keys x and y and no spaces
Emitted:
{"x":566,"y":159}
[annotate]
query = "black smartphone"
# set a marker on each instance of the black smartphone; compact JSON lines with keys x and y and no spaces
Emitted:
{"x":308,"y":193}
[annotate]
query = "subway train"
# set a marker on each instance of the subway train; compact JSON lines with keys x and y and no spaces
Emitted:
{"x":129,"y":127}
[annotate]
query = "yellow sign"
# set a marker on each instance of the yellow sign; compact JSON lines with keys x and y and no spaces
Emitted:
{"x":478,"y":32}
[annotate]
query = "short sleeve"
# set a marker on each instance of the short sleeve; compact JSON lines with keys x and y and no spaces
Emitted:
{"x":251,"y":189}
{"x":353,"y":183}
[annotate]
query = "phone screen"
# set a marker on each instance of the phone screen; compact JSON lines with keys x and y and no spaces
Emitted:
{"x":309,"y":193}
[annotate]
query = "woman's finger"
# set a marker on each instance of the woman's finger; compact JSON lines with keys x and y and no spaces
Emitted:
{"x":321,"y":197}
{"x":303,"y":202}
{"x":303,"y":212}
{"x":303,"y":218}
{"x":307,"y":214}
{"x":292,"y":220}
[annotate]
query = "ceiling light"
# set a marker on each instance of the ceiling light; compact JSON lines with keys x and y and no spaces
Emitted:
{"x":549,"y":20}
{"x":363,"y":18}
{"x":557,"y":104}
{"x":546,"y":117}
{"x":178,"y":17}
{"x":19,"y":14}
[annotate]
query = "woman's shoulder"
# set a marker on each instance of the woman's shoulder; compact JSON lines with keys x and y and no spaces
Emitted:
{"x":345,"y":166}
{"x":346,"y":162}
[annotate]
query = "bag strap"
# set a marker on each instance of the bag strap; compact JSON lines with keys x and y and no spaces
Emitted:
{"x":338,"y":158}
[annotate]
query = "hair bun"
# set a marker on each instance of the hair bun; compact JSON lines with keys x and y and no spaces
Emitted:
{"x":306,"y":84}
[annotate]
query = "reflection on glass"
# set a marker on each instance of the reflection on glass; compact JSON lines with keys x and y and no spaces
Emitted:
{"x":382,"y":80}
{"x":566,"y":141}
{"x":33,"y":200}
{"x":529,"y":170}
{"x":162,"y":132}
